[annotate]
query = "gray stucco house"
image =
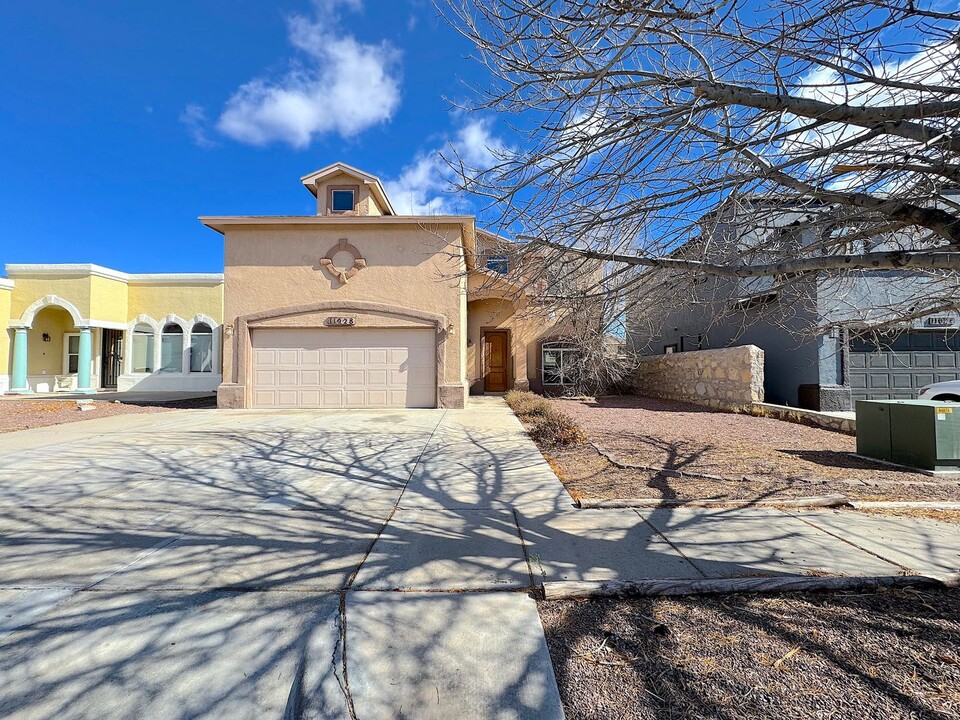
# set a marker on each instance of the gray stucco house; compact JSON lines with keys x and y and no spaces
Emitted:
{"x":827,"y":340}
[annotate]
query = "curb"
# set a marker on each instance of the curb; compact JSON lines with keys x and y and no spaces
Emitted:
{"x":819,"y":501}
{"x":903,"y":505}
{"x":561,"y":590}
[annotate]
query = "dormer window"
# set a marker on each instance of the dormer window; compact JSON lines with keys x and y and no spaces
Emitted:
{"x":343,"y":200}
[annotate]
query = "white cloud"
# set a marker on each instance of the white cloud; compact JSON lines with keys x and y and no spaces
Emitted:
{"x":337,"y":84}
{"x":194,"y":117}
{"x":934,"y":64}
{"x":425,"y":186}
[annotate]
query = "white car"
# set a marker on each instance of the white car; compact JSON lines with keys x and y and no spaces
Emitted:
{"x":949,"y":390}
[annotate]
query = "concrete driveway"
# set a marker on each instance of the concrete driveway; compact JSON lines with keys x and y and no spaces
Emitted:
{"x":197,"y":564}
{"x":373,"y":564}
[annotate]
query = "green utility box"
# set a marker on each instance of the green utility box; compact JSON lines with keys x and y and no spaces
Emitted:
{"x":923,"y":434}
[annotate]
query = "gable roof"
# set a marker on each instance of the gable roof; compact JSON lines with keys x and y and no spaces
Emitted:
{"x":372,"y":181}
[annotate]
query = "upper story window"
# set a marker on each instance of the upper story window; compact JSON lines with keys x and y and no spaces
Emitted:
{"x":342,"y":201}
{"x":498,"y":264}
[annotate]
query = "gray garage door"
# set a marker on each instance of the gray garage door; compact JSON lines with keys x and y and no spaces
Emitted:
{"x":896,"y":367}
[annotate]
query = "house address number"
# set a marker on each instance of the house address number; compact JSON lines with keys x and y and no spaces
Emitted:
{"x":340,"y":321}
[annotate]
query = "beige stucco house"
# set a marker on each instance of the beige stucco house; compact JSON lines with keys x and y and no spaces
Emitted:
{"x":357,"y":306}
{"x":354,"y":306}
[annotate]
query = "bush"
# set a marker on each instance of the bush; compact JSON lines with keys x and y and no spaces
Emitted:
{"x":555,"y":427}
{"x":527,"y":405}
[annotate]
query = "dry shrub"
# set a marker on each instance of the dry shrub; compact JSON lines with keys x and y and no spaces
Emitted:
{"x":527,"y":405}
{"x":555,"y":427}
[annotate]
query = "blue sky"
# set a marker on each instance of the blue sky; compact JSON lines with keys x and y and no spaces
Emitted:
{"x":121,"y":122}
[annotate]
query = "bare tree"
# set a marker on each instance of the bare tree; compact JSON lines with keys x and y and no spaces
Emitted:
{"x":650,"y":134}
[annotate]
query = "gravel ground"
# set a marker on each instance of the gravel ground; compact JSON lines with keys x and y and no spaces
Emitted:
{"x":762,"y":458}
{"x":26,"y":414}
{"x":886,"y":655}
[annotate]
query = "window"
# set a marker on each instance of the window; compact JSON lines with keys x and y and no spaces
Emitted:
{"x":171,"y":349}
{"x":341,"y":200}
{"x":670,"y":349}
{"x":201,"y":348}
{"x":71,"y":353}
{"x":143,"y":349}
{"x":560,"y":362}
{"x":498,"y":264}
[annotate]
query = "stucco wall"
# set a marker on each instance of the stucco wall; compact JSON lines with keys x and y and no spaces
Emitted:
{"x":718,"y":378}
{"x":46,"y":358}
{"x":5,"y":335}
{"x":30,"y":289}
{"x":528,"y":329}
{"x":158,"y":301}
{"x":272,"y":268}
{"x":108,"y":300}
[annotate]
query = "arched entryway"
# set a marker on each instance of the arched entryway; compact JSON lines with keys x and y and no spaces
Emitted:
{"x":52,"y":349}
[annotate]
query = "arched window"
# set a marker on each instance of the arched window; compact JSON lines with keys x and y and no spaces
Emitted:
{"x":201,"y":348}
{"x":559,"y":363}
{"x":171,"y":349}
{"x":142,"y":349}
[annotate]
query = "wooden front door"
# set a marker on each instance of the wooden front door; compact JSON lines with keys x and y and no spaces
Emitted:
{"x":496,"y":361}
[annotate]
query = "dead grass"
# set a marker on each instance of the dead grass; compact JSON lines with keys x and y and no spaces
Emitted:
{"x":893,"y":654}
{"x":547,"y":423}
{"x":26,"y":414}
{"x":759,"y":458}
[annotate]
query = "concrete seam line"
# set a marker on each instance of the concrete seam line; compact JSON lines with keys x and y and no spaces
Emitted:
{"x":670,"y":543}
{"x":523,"y":547}
{"x":657,"y":588}
{"x":848,"y":542}
{"x":342,"y":615}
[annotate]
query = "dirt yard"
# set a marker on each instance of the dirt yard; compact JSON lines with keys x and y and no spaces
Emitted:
{"x":886,"y":655}
{"x":754,"y":458}
{"x":26,"y":414}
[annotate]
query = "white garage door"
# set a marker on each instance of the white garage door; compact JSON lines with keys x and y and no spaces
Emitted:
{"x":344,"y":368}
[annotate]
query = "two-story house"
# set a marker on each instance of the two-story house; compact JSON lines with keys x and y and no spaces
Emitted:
{"x":353,"y":306}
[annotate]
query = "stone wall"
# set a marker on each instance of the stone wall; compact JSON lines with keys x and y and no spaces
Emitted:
{"x":726,"y":378}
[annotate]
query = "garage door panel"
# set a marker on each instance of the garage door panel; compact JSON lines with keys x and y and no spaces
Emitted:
{"x":310,"y":377}
{"x":287,"y":377}
{"x":362,"y":367}
{"x":355,"y":378}
{"x":288,"y":357}
{"x":310,"y":358}
{"x":378,"y":376}
{"x":287,"y":398}
{"x":377,"y":356}
{"x":310,"y":397}
{"x":332,"y":376}
{"x":264,"y":378}
{"x":946,"y":360}
{"x":919,"y":359}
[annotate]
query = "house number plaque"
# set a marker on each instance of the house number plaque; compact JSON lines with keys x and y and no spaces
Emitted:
{"x":340,"y":321}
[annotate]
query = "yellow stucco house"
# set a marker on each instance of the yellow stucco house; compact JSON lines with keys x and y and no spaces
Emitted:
{"x":83,"y":328}
{"x":354,"y":306}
